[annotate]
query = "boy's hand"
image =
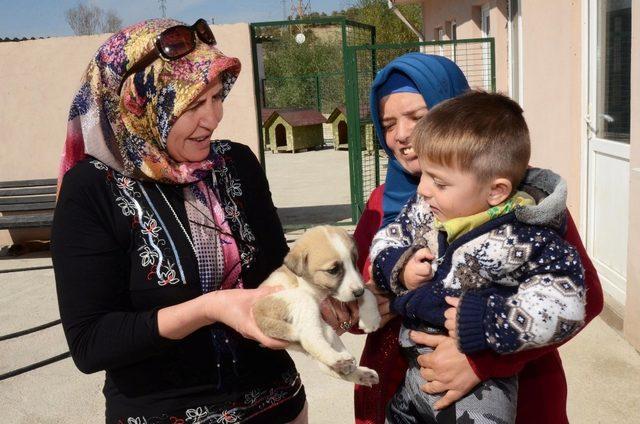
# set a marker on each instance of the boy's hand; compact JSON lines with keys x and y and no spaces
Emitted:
{"x":417,"y":270}
{"x":451,"y":316}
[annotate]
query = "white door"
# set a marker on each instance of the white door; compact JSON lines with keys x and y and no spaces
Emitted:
{"x":485,"y":27}
{"x":608,"y":142}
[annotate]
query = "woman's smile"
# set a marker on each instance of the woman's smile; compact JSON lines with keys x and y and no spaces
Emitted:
{"x":407,"y":152}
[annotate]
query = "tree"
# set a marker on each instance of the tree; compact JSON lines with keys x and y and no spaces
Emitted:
{"x":112,"y":22}
{"x":301,"y":75}
{"x":162,"y":4}
{"x":91,"y":19}
{"x":84,"y":20}
{"x":309,"y":75}
{"x":389,"y":29}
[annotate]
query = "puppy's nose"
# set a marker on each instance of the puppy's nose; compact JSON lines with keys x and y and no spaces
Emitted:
{"x":359,"y":292}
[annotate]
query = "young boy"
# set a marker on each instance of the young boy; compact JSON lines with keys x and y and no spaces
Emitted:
{"x":504,"y":279}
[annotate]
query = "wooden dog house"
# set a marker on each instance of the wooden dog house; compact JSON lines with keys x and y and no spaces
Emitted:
{"x":292,"y":130}
{"x":338,"y":121}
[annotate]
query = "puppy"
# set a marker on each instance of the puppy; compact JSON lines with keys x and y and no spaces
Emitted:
{"x":320,"y":264}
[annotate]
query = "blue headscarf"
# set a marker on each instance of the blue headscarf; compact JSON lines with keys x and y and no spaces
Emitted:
{"x":436,"y":78}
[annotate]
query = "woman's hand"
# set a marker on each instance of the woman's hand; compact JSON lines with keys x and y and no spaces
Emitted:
{"x":451,"y":316}
{"x":339,"y":315}
{"x":234,"y":308}
{"x":446,"y":369}
{"x":384,"y":303}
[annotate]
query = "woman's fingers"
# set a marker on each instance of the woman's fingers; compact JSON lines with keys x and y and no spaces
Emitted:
{"x":428,"y":374}
{"x":450,"y":368}
{"x":329,"y":313}
{"x":354,"y":311}
{"x":433,"y":387}
{"x":384,"y":308}
{"x":384,"y":319}
{"x":339,"y":315}
{"x":449,"y":398}
{"x":269,"y":342}
{"x":374,"y":289}
{"x":431,"y":340}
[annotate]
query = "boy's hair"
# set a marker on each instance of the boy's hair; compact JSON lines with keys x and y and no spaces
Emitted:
{"x":478,"y":132}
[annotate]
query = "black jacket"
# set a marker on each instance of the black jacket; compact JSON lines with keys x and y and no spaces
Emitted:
{"x":109,"y":294}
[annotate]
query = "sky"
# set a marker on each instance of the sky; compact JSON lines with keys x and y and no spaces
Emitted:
{"x":46,"y":18}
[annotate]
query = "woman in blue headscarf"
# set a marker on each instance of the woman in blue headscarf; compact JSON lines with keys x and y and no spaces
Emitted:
{"x":402,"y":93}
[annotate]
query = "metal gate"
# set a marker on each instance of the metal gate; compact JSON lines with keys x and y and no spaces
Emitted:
{"x":368,"y":163}
{"x":300,"y":64}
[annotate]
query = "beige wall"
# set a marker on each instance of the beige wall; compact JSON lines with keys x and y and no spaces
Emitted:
{"x":39,"y":78}
{"x":553,"y":96}
{"x":466,"y":13}
{"x":552,"y":43}
{"x":551,"y":33}
{"x":632,"y":307}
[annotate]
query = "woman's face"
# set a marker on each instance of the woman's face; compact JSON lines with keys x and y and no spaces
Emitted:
{"x":189,"y":138}
{"x":399,"y":113}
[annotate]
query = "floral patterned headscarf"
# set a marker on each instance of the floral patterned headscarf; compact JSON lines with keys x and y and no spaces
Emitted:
{"x":128,"y":131}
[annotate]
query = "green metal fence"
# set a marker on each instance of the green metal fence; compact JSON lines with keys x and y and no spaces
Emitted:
{"x":476,"y":58}
{"x":320,"y":91}
{"x":311,"y":74}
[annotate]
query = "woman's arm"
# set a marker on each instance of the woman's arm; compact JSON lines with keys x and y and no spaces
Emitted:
{"x":91,"y":270}
{"x":92,"y":275}
{"x":231,"y":307}
{"x":366,"y":229}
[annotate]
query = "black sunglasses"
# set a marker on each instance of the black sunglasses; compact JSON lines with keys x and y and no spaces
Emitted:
{"x":174,"y":43}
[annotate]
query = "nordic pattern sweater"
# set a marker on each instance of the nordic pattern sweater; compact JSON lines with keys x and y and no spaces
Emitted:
{"x":521,"y":285}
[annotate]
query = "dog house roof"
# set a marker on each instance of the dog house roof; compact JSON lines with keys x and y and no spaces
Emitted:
{"x":342,"y":109}
{"x":296,"y":117}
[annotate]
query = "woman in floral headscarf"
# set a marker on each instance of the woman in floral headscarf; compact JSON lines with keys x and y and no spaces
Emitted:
{"x":161,"y":237}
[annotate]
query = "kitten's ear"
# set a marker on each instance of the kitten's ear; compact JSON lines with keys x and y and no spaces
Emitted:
{"x":296,"y":260}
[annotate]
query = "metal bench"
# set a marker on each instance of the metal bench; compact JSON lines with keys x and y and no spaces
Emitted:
{"x":33,"y":200}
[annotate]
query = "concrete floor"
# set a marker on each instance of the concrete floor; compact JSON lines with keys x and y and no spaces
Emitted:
{"x":603,"y":370}
{"x":321,"y":191}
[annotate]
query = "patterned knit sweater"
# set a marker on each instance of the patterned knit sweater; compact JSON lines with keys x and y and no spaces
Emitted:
{"x":521,"y":285}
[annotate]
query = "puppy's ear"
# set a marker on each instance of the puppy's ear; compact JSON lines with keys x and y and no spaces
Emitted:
{"x":296,"y":261}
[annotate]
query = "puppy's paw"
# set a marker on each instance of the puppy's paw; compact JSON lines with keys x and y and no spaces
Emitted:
{"x":369,"y":322}
{"x":344,"y":364}
{"x":365,"y":376}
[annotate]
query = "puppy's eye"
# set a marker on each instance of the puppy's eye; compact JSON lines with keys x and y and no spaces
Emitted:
{"x":334,"y":270}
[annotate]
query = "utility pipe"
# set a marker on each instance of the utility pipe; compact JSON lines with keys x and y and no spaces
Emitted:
{"x":409,"y":25}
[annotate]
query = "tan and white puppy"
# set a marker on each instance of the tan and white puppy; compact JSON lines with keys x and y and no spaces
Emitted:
{"x":322,"y":263}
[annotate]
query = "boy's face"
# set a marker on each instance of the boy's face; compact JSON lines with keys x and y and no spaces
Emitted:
{"x":399,"y":113}
{"x":452,"y":193}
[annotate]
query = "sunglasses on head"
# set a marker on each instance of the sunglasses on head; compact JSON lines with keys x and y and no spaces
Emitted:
{"x":174,"y":43}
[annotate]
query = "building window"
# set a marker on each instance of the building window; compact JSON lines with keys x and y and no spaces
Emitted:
{"x":485,"y":20}
{"x":515,"y":56}
{"x":614,"y":70}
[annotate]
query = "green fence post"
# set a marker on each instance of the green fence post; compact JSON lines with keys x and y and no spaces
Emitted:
{"x":257,"y":89}
{"x":353,"y":127}
{"x":318,"y":99}
{"x":492,"y":50}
